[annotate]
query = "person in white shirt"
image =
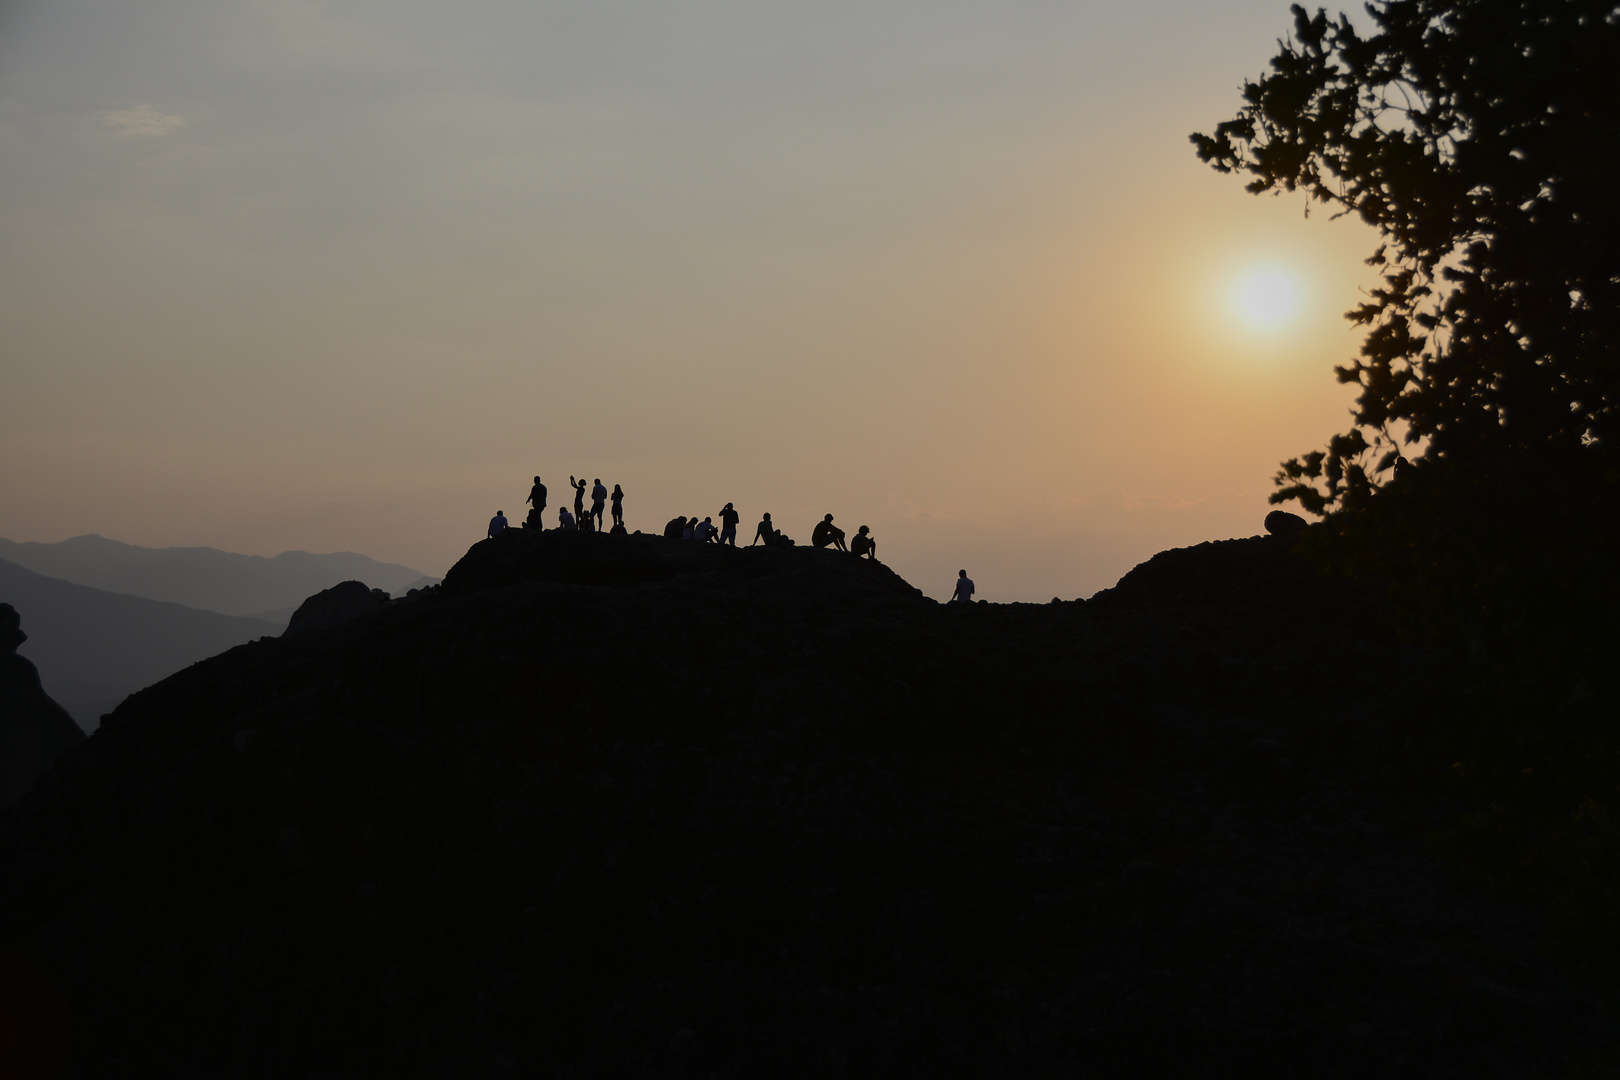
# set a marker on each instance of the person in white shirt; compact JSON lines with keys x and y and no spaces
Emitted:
{"x":964,"y":588}
{"x":565,"y":520}
{"x":497,"y":524}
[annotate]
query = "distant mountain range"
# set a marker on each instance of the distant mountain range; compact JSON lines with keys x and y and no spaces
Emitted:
{"x":105,"y":619}
{"x":94,"y":648}
{"x":207,"y":578}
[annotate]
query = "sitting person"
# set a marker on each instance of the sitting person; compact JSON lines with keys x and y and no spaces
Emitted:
{"x":497,"y":524}
{"x":763,"y":532}
{"x":565,"y":520}
{"x":863,"y":544}
{"x":585,"y":522}
{"x":673,"y":530}
{"x":705,"y":531}
{"x":778,"y":540}
{"x":690,"y":530}
{"x":827,"y":533}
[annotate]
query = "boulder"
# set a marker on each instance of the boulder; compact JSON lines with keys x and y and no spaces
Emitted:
{"x":334,"y":607}
{"x":34,"y":730}
{"x":1282,"y":523}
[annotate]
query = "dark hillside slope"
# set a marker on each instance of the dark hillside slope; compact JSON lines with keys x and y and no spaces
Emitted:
{"x":605,"y":806}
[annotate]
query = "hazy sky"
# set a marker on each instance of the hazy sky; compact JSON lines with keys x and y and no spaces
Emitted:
{"x":346,"y":275}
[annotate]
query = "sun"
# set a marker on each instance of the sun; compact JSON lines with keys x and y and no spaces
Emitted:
{"x":1268,"y":297}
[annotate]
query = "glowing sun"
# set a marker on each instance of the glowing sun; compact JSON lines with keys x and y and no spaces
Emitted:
{"x":1268,"y":297}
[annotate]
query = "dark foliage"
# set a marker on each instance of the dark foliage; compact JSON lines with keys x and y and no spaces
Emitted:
{"x":1479,"y":137}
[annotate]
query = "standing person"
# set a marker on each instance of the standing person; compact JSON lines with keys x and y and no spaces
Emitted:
{"x":537,"y":496}
{"x":618,"y":506}
{"x":728,"y":525}
{"x":579,"y":496}
{"x":964,"y":588}
{"x":598,"y":498}
{"x":497,"y":524}
{"x":764,"y":531}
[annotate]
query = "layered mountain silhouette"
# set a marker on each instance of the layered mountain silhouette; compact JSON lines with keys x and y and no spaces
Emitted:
{"x":206,"y":578}
{"x":93,"y":647}
{"x":604,"y":806}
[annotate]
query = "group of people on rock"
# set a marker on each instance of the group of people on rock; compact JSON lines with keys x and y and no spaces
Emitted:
{"x":824,"y":535}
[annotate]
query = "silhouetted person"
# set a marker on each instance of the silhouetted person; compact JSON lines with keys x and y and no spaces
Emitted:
{"x":728,"y":525}
{"x":690,"y":529}
{"x":863,"y":544}
{"x":826,"y":533}
{"x":598,"y":499}
{"x":565,"y":520}
{"x":764,"y":531}
{"x":497,"y":524}
{"x":587,"y":523}
{"x":537,"y":496}
{"x":964,"y":588}
{"x":705,"y":531}
{"x":579,"y":496}
{"x":778,"y":540}
{"x":673,"y":530}
{"x":618,"y":507}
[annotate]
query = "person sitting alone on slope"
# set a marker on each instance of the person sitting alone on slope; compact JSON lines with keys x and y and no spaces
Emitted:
{"x":497,"y":524}
{"x":826,"y":533}
{"x":863,"y":544}
{"x":964,"y":589}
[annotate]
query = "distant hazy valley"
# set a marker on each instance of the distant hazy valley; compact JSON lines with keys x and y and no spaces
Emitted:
{"x":105,"y":619}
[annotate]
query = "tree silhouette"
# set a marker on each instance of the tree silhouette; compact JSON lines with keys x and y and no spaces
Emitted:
{"x":1479,"y":138}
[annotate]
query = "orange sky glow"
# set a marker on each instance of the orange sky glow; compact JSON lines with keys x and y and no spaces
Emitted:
{"x":344,"y":276}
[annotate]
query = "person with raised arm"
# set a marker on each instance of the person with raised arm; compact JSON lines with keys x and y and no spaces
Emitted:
{"x":728,"y":525}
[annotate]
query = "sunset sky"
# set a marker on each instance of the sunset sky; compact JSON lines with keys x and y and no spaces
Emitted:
{"x":344,"y":276}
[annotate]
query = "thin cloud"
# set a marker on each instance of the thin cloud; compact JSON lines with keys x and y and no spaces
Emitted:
{"x":143,"y":121}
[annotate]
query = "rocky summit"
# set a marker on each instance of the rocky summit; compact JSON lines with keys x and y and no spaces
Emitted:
{"x":627,"y":806}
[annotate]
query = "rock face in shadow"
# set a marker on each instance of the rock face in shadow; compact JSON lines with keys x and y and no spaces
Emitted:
{"x":628,"y":806}
{"x":334,"y":607}
{"x":34,"y":730}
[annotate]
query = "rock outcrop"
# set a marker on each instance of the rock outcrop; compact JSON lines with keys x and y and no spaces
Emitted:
{"x":34,"y":730}
{"x":603,"y":806}
{"x":334,"y":607}
{"x":1282,"y":523}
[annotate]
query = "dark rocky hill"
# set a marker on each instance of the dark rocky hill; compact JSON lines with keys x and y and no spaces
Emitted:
{"x":34,"y":730}
{"x":622,"y":806}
